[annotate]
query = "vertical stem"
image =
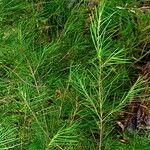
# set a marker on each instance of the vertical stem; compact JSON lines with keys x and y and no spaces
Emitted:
{"x":100,"y":95}
{"x":97,"y":37}
{"x":99,"y":48}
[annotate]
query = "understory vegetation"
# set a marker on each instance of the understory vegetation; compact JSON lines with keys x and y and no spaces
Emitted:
{"x":67,"y":70}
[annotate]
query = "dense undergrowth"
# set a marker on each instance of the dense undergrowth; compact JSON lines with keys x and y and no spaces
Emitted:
{"x":66,"y":71}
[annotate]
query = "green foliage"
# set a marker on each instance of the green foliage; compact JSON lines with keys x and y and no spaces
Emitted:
{"x":63,"y":78}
